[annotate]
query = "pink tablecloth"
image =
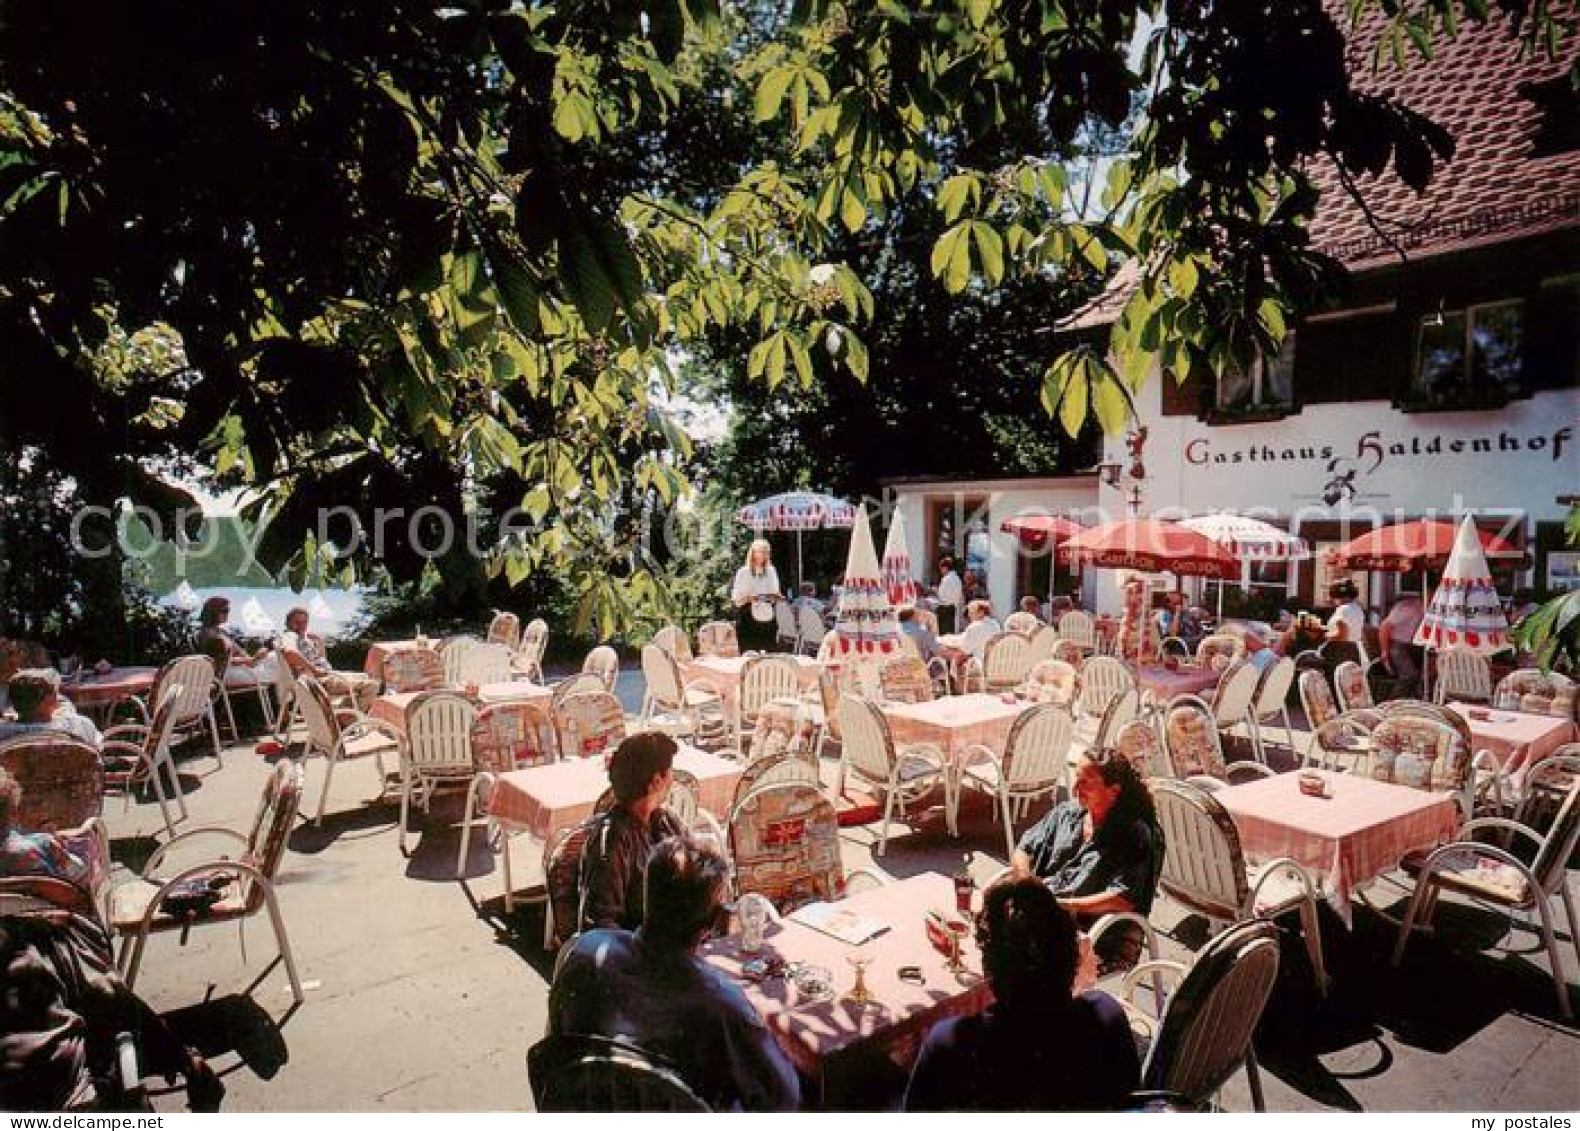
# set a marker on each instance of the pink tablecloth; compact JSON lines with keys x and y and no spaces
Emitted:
{"x":955,"y":722}
{"x":111,"y":687}
{"x":391,"y":706}
{"x":723,"y":674}
{"x":545,"y":799}
{"x":373,"y":665}
{"x":814,"y":1034}
{"x":1516,"y":739}
{"x":1166,"y":684}
{"x":1345,"y":840}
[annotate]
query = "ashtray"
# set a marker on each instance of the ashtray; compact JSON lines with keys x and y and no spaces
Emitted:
{"x":1480,"y":714}
{"x":813,"y":983}
{"x":1313,"y":785}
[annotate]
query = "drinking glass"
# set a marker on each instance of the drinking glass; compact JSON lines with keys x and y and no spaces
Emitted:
{"x":859,"y":996}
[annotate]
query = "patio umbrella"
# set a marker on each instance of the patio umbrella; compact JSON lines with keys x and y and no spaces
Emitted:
{"x":865,"y":627}
{"x":1249,"y":539}
{"x":1151,"y":546}
{"x":1465,"y":611}
{"x":897,"y":579}
{"x":1405,"y":547}
{"x":799,"y":511}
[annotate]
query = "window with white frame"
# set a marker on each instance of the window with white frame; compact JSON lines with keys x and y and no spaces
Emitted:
{"x":1470,"y":354}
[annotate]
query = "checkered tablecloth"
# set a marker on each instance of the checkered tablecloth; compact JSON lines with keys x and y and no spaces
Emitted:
{"x":954,"y":723}
{"x":391,"y":707}
{"x":723,"y":674}
{"x":373,"y":665}
{"x":93,"y":690}
{"x":1516,"y":739}
{"x":1165,"y":684}
{"x":1345,"y":840}
{"x":543,"y":800}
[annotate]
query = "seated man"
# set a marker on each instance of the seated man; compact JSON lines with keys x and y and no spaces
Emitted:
{"x":1030,"y":604}
{"x":926,"y":642}
{"x":808,"y":599}
{"x":35,"y":696}
{"x":650,"y":989}
{"x":982,"y":627}
{"x":617,"y":851}
{"x":1041,"y":1046}
{"x":43,"y":855}
{"x":1099,"y":852}
{"x":1258,"y":652}
{"x":303,"y":653}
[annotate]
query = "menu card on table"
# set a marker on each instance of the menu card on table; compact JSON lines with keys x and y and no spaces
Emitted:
{"x":840,"y":922}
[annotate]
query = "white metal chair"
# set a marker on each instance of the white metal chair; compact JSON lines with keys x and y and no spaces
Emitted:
{"x":1225,"y":644}
{"x":1272,"y":702}
{"x":1080,"y":629}
{"x":603,"y":662}
{"x":453,"y":652}
{"x":1423,"y":752}
{"x":194,"y":709}
{"x":673,"y":640}
{"x":582,"y":683}
{"x":787,"y":631}
{"x":899,"y":776}
{"x":1103,"y":679}
{"x":1205,"y":871}
{"x":412,"y":669}
{"x":505,"y":737}
{"x":763,"y":679}
{"x":338,"y":737}
{"x":1538,"y":693}
{"x":717,"y":638}
{"x":150,"y":747}
{"x":905,"y":679}
{"x":588,"y":725}
{"x":1234,"y":699}
{"x":809,"y":630}
{"x":1032,"y":765}
{"x":1350,"y":685}
{"x":1022,"y":622}
{"x":137,"y":907}
{"x":438,"y":751}
{"x":784,"y":844}
{"x":528,"y":659}
{"x":1044,"y":638}
{"x":1205,"y":1032}
{"x":1492,"y":874}
{"x":1195,"y":752}
{"x":1006,"y":660}
{"x":483,"y":664}
{"x":1462,"y":674}
{"x":677,"y":708}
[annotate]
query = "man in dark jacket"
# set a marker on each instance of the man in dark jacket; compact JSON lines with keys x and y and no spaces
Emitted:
{"x":617,"y":851}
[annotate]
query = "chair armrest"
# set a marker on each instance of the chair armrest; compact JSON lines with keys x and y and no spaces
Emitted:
{"x":114,"y":733}
{"x":1207,"y":782}
{"x":1254,"y":769}
{"x":870,"y":873}
{"x":365,"y":723}
{"x":1475,"y":824}
{"x":978,"y":752}
{"x":1274,"y":867}
{"x":240,"y":867}
{"x":163,"y":850}
{"x":1159,"y":966}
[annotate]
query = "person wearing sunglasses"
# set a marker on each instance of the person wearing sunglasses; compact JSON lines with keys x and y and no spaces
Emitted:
{"x":648,"y":988}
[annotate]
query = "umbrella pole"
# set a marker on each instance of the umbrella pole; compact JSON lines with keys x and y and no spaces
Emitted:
{"x":799,"y":578}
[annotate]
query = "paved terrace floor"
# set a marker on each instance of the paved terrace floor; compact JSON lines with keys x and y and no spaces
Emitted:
{"x":422,"y":996}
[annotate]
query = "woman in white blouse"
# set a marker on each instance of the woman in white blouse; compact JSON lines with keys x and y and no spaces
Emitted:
{"x":755,"y":590}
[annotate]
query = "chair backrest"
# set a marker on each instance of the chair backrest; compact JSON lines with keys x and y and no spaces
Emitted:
{"x":512,"y":736}
{"x":927,"y":619}
{"x":1462,"y":674}
{"x":1273,"y":688}
{"x":1550,"y":866}
{"x":1103,"y":679}
{"x":589,"y":724}
{"x":318,"y":713}
{"x":785,"y":627}
{"x":1206,"y":1030}
{"x":453,"y":653}
{"x":1006,"y":658}
{"x":1332,"y":653}
{"x":775,"y":769}
{"x":505,"y":629}
{"x":1022,"y":622}
{"x":1236,"y":693}
{"x":1536,"y":692}
{"x":582,"y":683}
{"x":684,"y":797}
{"x":1225,"y":644}
{"x":412,"y":669}
{"x":868,"y":745}
{"x":905,"y":679}
{"x":439,"y":732}
{"x":809,"y":625}
{"x":1037,"y":752}
{"x":1419,"y":708}
{"x":1068,"y":651}
{"x":1078,"y":627}
{"x":1190,"y":738}
{"x":485,"y":663}
{"x":662,"y":674}
{"x":1349,"y":683}
{"x":783,"y":730}
{"x":673,"y":640}
{"x":1044,"y":638}
{"x":1137,"y":742}
{"x":1203,"y":866}
{"x":829,"y":688}
{"x":534,"y":641}
{"x":62,"y":784}
{"x":282,"y":793}
{"x":717,"y":638}
{"x":572,"y":1073}
{"x":562,"y":866}
{"x":1420,"y":752}
{"x":764,"y":679}
{"x":1546,"y":783}
{"x":1121,"y":709}
{"x":195,"y":676}
{"x":784,"y":841}
{"x":1053,"y":681}
{"x":603,"y":662}
{"x":1316,"y":698}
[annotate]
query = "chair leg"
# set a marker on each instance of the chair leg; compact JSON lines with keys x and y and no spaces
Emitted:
{"x":1550,"y":940}
{"x":283,"y":942}
{"x":1311,"y":925}
{"x":1417,"y":900}
{"x":135,"y":960}
{"x":159,"y":796}
{"x":466,"y":830}
{"x":405,"y":807}
{"x":323,"y":797}
{"x":213,"y":726}
{"x":888,"y":810}
{"x":1009,"y":827}
{"x":1254,"y":1078}
{"x":510,"y":884}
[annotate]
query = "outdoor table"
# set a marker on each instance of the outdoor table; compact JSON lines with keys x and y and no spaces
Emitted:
{"x":723,"y":674}
{"x":1345,"y":840}
{"x":91,"y":691}
{"x":373,"y":665}
{"x":1165,"y":684}
{"x":829,"y":1040}
{"x":1518,"y":740}
{"x":542,"y":800}
{"x":391,"y":707}
{"x":954,"y":723}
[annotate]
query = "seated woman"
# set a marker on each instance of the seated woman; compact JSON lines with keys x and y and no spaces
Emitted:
{"x":1099,"y":852}
{"x":39,"y":854}
{"x":225,"y":654}
{"x":1040,"y":1047}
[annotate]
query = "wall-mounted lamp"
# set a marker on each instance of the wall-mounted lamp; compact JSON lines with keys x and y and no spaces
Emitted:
{"x":1109,"y":473}
{"x":1436,"y":317}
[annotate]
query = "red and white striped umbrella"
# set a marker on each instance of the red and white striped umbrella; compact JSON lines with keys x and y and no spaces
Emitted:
{"x":797,"y":510}
{"x":865,"y":627}
{"x":1465,"y":611}
{"x":896,"y":565}
{"x":1250,"y":539}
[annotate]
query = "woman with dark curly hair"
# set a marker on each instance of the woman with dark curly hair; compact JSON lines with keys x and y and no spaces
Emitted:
{"x":1040,"y":1046}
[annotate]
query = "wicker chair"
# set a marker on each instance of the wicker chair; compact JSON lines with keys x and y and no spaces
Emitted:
{"x":899,"y":776}
{"x":784,"y":841}
{"x":504,"y":629}
{"x":1537,"y":693}
{"x":340,"y":737}
{"x":576,"y":1073}
{"x":1204,"y":1034}
{"x":528,"y":659}
{"x":1080,"y":629}
{"x":1006,"y":659}
{"x":1352,"y":688}
{"x":483,"y":664}
{"x":438,"y":753}
{"x":1032,"y":765}
{"x":1205,"y":871}
{"x":412,"y":669}
{"x":589,"y":725}
{"x":1195,"y":753}
{"x":505,"y":737}
{"x":905,"y":679}
{"x":562,"y":865}
{"x":1495,"y":875}
{"x":1462,"y":674}
{"x":603,"y":662}
{"x":137,"y":907}
{"x":149,"y":749}
{"x":62,"y":783}
{"x":717,"y":638}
